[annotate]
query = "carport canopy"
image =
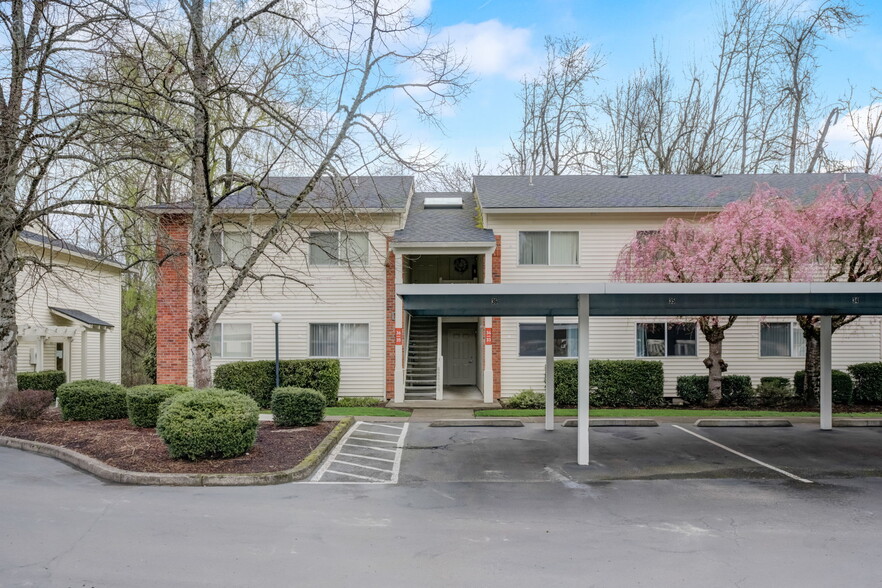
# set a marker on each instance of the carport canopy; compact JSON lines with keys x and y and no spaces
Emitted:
{"x":624,"y":299}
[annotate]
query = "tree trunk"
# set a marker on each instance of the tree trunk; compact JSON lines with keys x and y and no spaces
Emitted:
{"x":715,"y":366}
{"x":8,"y":326}
{"x":201,"y":324}
{"x":812,"y":379}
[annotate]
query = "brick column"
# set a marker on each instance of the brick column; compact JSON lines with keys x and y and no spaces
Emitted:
{"x":172,"y":310}
{"x":497,"y":323}
{"x":390,"y":320}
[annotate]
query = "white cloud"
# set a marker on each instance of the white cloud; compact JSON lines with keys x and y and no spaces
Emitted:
{"x":843,"y":140}
{"x":493,"y":48}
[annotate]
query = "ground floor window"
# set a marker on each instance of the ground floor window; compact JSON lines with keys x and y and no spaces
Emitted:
{"x":781,"y":339}
{"x":532,"y":340}
{"x":339,"y":340}
{"x":231,"y":340}
{"x":666,"y":339}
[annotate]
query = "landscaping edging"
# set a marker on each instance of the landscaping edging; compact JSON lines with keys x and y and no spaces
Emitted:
{"x":101,"y":470}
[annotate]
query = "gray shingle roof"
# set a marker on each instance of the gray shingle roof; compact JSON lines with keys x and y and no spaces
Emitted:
{"x":62,"y":245}
{"x":442,"y":225}
{"x":79,"y":315}
{"x":361,"y":192}
{"x":646,"y":191}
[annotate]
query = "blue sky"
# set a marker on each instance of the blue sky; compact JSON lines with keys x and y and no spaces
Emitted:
{"x":503,"y":39}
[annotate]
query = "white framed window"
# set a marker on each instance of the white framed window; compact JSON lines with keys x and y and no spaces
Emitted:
{"x":229,"y":246}
{"x":339,"y":340}
{"x":667,"y":339}
{"x":548,"y":248}
{"x":338,"y":247}
{"x":231,"y":340}
{"x":781,"y":339}
{"x":531,"y":342}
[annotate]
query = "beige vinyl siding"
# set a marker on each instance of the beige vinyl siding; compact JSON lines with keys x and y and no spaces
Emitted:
{"x":601,"y":237}
{"x":615,"y":338}
{"x":78,"y":284}
{"x":328,"y":294}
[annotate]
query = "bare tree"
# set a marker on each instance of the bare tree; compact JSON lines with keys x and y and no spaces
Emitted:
{"x":555,"y":123}
{"x":453,"y":177}
{"x":866,"y":123}
{"x":267,"y":87}
{"x":46,"y":46}
{"x":799,"y":39}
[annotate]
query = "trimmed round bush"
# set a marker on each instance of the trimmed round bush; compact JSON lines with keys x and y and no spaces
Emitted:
{"x":46,"y":380}
{"x":737,"y":390}
{"x":297,"y":407}
{"x":142,"y":402}
{"x":867,"y":383}
{"x":91,"y":400}
{"x":526,"y":399}
{"x":27,"y":404}
{"x":774,"y":392}
{"x":257,"y":379}
{"x":843,"y":386}
{"x":208,"y":424}
{"x":614,"y":383}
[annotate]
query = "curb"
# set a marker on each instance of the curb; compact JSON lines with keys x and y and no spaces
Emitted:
{"x":743,"y":423}
{"x":494,"y":422}
{"x":846,"y":422}
{"x":613,"y":423}
{"x":101,"y":470}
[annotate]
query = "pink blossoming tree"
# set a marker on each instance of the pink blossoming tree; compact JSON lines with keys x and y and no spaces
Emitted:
{"x":843,"y":227}
{"x":760,"y":239}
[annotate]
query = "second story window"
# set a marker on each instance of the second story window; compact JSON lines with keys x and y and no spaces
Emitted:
{"x":338,"y":248}
{"x":229,"y":247}
{"x":548,"y":248}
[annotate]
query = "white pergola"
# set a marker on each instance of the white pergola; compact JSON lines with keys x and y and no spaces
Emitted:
{"x":83,"y":324}
{"x":621,"y":299}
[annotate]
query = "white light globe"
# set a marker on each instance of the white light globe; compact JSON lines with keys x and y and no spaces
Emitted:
{"x":277,"y":317}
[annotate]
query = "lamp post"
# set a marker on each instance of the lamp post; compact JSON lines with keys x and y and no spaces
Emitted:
{"x":277,"y":318}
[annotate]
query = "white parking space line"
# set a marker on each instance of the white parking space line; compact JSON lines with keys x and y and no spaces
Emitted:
{"x":337,"y":470}
{"x":387,"y":426}
{"x":355,"y":476}
{"x":379,"y":433}
{"x":367,"y":457}
{"x":747,"y":457}
{"x":359,"y":465}
{"x":374,"y":440}
{"x":374,"y":448}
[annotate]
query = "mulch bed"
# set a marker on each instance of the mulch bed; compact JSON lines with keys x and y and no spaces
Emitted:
{"x":120,"y":444}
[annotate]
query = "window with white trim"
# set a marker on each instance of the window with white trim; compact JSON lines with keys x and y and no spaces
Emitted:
{"x":339,"y":340}
{"x":548,"y":248}
{"x":781,"y":339}
{"x":667,"y":339}
{"x":338,"y":247}
{"x":229,"y":247}
{"x":231,"y":340}
{"x":532,"y":340}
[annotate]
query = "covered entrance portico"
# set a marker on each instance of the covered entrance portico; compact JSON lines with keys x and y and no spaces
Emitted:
{"x":619,"y":299}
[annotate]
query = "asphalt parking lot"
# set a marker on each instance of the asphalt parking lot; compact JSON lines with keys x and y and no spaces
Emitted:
{"x":669,"y":451}
{"x":476,"y":507}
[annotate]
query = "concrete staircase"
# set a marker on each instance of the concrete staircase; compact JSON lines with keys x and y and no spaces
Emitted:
{"x":420,"y":378}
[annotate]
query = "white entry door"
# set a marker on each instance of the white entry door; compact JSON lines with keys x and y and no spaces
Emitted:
{"x":460,"y":355}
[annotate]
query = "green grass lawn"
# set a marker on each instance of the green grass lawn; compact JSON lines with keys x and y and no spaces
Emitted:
{"x":663,"y":412}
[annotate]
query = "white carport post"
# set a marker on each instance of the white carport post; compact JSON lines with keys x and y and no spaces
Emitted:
{"x":549,"y":373}
{"x":584,"y":380}
{"x":102,"y":337}
{"x":826,"y":373}
{"x":84,"y":370}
